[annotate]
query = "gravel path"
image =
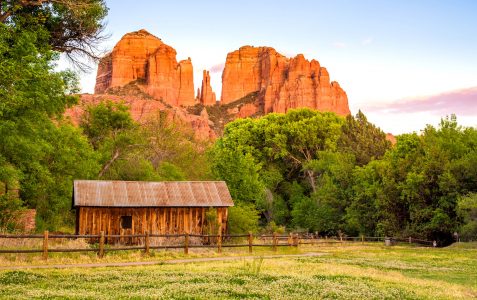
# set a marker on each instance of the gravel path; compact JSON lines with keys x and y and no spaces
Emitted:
{"x":162,"y":262}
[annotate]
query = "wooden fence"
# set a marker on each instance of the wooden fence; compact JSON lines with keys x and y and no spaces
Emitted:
{"x":143,"y":242}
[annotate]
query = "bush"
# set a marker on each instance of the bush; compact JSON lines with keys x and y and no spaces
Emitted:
{"x":243,"y":218}
{"x":467,"y":210}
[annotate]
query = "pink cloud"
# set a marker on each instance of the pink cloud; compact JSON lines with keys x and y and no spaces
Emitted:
{"x":460,"y":102}
{"x":217,"y":68}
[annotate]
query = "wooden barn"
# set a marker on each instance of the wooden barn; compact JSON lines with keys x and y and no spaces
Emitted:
{"x":132,"y":207}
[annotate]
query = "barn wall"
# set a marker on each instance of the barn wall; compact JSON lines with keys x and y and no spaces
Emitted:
{"x":166,"y":220}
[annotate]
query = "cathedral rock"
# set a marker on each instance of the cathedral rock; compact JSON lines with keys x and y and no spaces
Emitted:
{"x":143,"y":71}
{"x":282,"y":83}
{"x":140,"y":56}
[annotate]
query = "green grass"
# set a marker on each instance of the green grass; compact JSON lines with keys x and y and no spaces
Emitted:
{"x":344,"y":272}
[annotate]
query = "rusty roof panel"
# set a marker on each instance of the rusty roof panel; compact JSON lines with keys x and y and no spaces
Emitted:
{"x":150,"y":194}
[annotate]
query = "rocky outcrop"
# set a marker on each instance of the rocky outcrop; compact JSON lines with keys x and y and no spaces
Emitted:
{"x":143,"y":110}
{"x":140,"y":56}
{"x":168,"y":80}
{"x":207,"y":96}
{"x":143,"y":71}
{"x":283,"y":83}
{"x":127,"y":61}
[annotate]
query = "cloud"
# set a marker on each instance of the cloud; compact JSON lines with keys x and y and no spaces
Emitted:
{"x":339,"y":45}
{"x":217,"y":68}
{"x":460,"y":102}
{"x":367,"y":41}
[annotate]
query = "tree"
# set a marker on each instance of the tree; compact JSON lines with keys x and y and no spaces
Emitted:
{"x":242,"y":218}
{"x":467,"y":210}
{"x":112,"y":132}
{"x":414,"y":189}
{"x":42,"y":151}
{"x":73,"y":27}
{"x":258,"y":157}
{"x":363,"y":139}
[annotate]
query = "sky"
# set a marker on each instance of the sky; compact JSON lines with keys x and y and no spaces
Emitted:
{"x":404,"y":63}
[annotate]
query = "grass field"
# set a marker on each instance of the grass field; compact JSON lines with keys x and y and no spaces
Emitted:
{"x":350,"y":271}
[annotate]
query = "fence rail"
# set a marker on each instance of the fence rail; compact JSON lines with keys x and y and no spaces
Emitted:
{"x":213,"y":241}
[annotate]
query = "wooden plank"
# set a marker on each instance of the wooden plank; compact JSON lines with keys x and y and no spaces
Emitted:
{"x":186,"y":220}
{"x":219,"y":221}
{"x":93,"y":221}
{"x":99,"y":221}
{"x":86,"y":225}
{"x":202,"y":218}
{"x":153,"y":215}
{"x":144,"y":221}
{"x":190,"y":226}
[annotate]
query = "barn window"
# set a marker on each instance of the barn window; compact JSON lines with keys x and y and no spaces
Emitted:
{"x":126,"y":222}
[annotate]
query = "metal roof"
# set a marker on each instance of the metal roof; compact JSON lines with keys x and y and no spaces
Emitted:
{"x":151,"y":194}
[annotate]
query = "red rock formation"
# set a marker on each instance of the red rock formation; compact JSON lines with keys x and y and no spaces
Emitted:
{"x":285,"y":83}
{"x":127,"y":61}
{"x":141,"y":56}
{"x":207,"y":96}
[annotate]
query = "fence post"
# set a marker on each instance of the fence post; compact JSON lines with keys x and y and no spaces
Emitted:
{"x":275,"y":241}
{"x":295,"y":240}
{"x":101,"y":244}
{"x":146,"y":243}
{"x":362,"y":239}
{"x":410,"y":240}
{"x":290,"y":239}
{"x":45,"y":245}
{"x":250,"y":241}
{"x":186,"y":243}
{"x":219,"y":243}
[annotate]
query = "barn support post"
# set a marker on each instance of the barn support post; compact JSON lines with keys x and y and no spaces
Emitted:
{"x":186,"y":243}
{"x":101,"y":244}
{"x":146,"y":243}
{"x":250,"y":242}
{"x":45,"y":245}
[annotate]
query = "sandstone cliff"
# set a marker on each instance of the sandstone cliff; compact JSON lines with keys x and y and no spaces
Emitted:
{"x":282,"y":83}
{"x":142,"y":57}
{"x":255,"y":81}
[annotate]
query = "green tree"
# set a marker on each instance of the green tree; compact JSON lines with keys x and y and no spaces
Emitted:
{"x":363,"y":139}
{"x":259,"y":157}
{"x":242,"y":218}
{"x":73,"y":27}
{"x":467,"y":210}
{"x":41,"y":150}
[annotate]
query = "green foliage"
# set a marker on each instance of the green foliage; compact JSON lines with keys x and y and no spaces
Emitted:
{"x":10,"y":208}
{"x":40,"y":153}
{"x":243,"y":217}
{"x":467,"y":210}
{"x":319,"y":172}
{"x":72,"y":27}
{"x":259,"y":158}
{"x":415,"y":187}
{"x":363,"y":139}
{"x":40,"y":150}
